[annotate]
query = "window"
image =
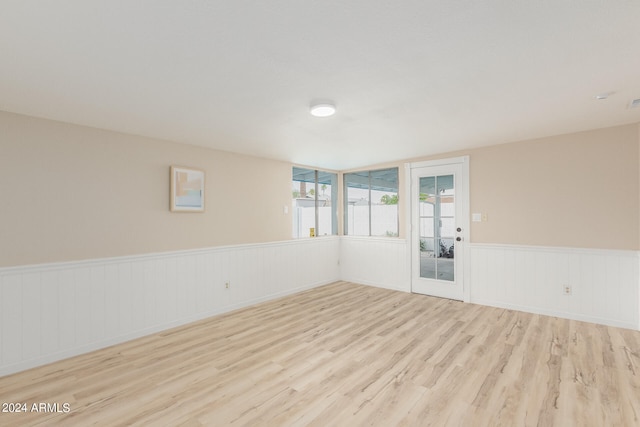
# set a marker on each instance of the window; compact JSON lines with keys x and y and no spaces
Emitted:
{"x":314,"y":203}
{"x":371,"y":203}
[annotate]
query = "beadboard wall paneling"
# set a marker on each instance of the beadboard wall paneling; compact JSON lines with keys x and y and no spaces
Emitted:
{"x":604,"y":283}
{"x":53,"y":311}
{"x":381,"y":262}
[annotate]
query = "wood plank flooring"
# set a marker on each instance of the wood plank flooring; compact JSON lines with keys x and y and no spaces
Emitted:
{"x":348,"y":355}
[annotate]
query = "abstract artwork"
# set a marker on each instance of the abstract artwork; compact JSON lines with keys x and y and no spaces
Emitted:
{"x":187,"y":189}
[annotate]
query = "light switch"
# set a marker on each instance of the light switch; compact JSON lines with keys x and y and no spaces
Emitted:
{"x":476,"y":217}
{"x":285,"y":209}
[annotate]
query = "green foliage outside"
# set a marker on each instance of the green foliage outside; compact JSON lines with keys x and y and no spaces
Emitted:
{"x":389,"y":200}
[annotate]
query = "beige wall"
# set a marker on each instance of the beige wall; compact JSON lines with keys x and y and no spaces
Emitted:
{"x":577,"y":190}
{"x":71,"y":192}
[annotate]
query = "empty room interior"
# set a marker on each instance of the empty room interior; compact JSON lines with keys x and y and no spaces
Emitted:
{"x":294,"y":213}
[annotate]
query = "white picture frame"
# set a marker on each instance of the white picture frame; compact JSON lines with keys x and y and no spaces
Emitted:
{"x":187,"y":189}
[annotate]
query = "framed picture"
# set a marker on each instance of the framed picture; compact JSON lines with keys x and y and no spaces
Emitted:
{"x":187,"y":190}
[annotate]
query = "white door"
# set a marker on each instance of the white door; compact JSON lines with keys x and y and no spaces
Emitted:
{"x":439,"y":223}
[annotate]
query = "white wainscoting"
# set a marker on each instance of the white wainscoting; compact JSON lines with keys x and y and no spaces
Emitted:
{"x":54,"y":311}
{"x":381,"y":262}
{"x":604,"y":283}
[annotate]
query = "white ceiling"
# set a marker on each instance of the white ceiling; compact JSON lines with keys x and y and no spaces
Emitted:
{"x":410,"y":78}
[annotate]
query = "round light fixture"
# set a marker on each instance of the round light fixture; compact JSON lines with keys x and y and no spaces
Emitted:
{"x":323,"y":109}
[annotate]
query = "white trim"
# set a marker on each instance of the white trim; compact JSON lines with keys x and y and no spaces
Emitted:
{"x":377,"y":284}
{"x":155,"y":255}
{"x":408,"y":221}
{"x":561,"y":314}
{"x":392,"y":240}
{"x":440,"y":162}
{"x":466,"y":209}
{"x":557,"y":249}
{"x":463,"y":162}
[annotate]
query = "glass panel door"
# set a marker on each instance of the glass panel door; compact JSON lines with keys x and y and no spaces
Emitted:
{"x":439,"y":214}
{"x":437,"y":227}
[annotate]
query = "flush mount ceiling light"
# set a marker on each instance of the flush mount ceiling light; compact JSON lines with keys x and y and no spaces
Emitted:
{"x":322,"y":109}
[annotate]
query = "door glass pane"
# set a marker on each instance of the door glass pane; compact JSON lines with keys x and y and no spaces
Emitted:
{"x":437,"y":227}
{"x":426,"y":227}
{"x":447,"y":227}
{"x":426,"y":207}
{"x":427,"y":187}
{"x":446,"y":248}
{"x":447,"y":207}
{"x":445,"y":269}
{"x":445,"y":185}
{"x":427,"y":265}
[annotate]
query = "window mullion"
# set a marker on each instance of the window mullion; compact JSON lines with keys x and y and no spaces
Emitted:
{"x":370,"y":204}
{"x":316,"y":204}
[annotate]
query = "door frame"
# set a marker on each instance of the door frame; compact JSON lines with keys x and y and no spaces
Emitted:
{"x":465,"y":221}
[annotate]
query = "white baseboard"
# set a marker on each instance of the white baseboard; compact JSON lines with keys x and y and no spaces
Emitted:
{"x":560,"y":314}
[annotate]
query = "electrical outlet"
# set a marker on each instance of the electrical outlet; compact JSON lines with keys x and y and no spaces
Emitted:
{"x":566,"y":289}
{"x":227,"y":285}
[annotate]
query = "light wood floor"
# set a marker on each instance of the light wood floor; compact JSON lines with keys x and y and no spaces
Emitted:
{"x":350,"y":355}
